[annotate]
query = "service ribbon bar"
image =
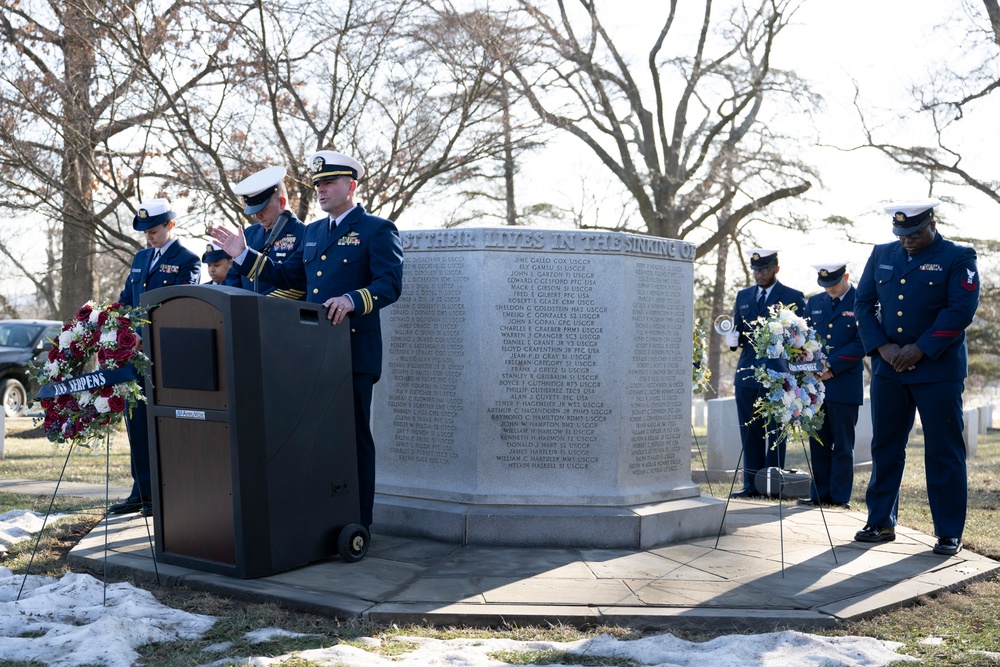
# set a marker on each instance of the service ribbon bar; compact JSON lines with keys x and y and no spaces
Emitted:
{"x":88,"y":381}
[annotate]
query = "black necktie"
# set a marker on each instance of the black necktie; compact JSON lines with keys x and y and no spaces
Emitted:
{"x":156,"y":258}
{"x":760,"y":299}
{"x":835,"y":301}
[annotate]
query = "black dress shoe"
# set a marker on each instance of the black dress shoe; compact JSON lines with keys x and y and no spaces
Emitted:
{"x":948,"y":546}
{"x":843,"y":506}
{"x":807,"y":502}
{"x":147,"y":509}
{"x":745,"y":493}
{"x":872,"y":533}
{"x":128,"y":506}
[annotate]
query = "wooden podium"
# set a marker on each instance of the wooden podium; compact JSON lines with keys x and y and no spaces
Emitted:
{"x":251,"y":432}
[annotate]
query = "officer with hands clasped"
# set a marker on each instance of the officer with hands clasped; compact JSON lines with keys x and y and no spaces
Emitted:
{"x":753,"y":302}
{"x":914,"y":302}
{"x":352,"y":262}
{"x":265,"y":198}
{"x":831,"y":313}
{"x":164,"y":263}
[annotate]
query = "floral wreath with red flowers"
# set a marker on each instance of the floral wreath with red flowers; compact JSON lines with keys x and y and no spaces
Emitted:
{"x":82,"y":407}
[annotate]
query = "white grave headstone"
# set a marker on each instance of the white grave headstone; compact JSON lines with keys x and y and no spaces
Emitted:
{"x":985,"y":418}
{"x":970,"y":431}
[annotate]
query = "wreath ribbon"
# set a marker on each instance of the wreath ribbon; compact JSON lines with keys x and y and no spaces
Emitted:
{"x":786,"y":366}
{"x":93,"y":380}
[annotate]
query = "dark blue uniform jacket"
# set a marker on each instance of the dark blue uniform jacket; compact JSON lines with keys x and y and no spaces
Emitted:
{"x":838,"y":332}
{"x":929,"y":300}
{"x":177,"y":266}
{"x":745,"y":312}
{"x":362,"y":258}
{"x":281,"y":249}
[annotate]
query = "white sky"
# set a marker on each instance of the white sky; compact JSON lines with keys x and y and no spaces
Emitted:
{"x":80,"y":623}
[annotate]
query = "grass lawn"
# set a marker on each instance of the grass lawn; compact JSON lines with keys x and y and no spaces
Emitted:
{"x":947,"y":629}
{"x":27,"y":454}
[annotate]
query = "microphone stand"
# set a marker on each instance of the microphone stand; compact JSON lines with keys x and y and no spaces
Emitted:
{"x":279,"y":225}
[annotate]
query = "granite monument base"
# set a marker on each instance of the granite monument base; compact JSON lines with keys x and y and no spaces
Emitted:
{"x":635,"y":527}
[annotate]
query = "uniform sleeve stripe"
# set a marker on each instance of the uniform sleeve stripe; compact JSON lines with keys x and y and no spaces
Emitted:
{"x":366,"y":300}
{"x":292,"y":294}
{"x":256,"y":267}
{"x":942,"y":333}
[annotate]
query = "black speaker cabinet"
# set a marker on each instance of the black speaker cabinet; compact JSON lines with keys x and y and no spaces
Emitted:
{"x":251,"y":431}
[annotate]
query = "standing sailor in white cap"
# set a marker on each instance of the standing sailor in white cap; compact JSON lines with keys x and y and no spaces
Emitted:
{"x":265,"y":197}
{"x":352,"y":262}
{"x":164,"y":263}
{"x":752,"y":302}
{"x":914,"y":302}
{"x":831,"y":313}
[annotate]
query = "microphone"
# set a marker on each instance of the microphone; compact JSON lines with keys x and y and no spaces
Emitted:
{"x":279,"y":225}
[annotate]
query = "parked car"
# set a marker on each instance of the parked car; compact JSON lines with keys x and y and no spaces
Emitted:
{"x":22,"y":341}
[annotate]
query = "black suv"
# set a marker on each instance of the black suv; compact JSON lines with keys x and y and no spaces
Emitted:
{"x":20,"y":342}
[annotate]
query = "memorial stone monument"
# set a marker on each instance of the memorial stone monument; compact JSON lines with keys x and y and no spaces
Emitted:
{"x":536,"y":390}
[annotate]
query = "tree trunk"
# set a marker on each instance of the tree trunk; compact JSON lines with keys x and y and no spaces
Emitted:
{"x":508,"y":155}
{"x":715,"y":341}
{"x":79,"y":243}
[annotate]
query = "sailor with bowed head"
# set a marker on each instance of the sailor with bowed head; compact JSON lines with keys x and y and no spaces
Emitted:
{"x":915,"y":299}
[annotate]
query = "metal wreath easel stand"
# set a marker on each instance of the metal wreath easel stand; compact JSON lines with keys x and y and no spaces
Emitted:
{"x":701,"y":456}
{"x":781,"y":530}
{"x":107,"y":501}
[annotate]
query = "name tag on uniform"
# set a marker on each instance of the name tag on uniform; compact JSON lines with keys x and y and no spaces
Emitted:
{"x":931,"y":267}
{"x":135,"y":270}
{"x":886,"y":266}
{"x":817,"y":312}
{"x":310,"y":244}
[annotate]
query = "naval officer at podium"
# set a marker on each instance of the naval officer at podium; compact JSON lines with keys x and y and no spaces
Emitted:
{"x":265,"y":198}
{"x":352,"y":262}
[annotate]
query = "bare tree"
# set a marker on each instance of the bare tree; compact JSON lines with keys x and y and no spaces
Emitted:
{"x":104,"y":104}
{"x":366,"y":77}
{"x":696,"y":139}
{"x":77,"y":118}
{"x":958,"y":93}
{"x":481,"y":44}
{"x":950,"y":98}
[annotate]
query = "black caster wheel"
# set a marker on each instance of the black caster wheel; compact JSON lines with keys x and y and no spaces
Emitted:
{"x":353,"y":542}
